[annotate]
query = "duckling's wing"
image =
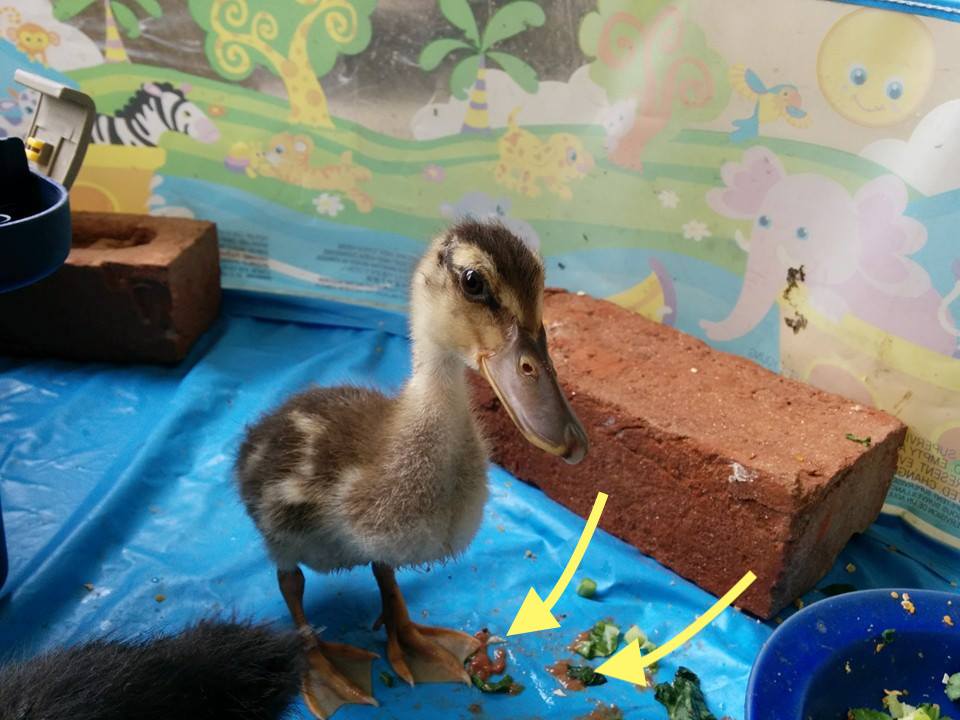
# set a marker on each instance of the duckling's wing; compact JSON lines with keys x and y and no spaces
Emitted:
{"x":292,"y":458}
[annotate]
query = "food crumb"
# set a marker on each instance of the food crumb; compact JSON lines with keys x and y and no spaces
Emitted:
{"x":895,"y":595}
{"x":88,"y":587}
{"x":847,"y":668}
{"x":580,"y":293}
{"x":948,"y":621}
{"x":159,"y":598}
{"x":907,"y":605}
{"x":587,"y":588}
{"x":475,"y":709}
{"x":778,"y":620}
{"x":529,"y":555}
{"x":694,"y":370}
{"x":851,"y":568}
{"x":799,"y":603}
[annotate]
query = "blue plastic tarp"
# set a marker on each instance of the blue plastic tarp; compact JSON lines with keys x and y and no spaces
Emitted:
{"x":122,"y":518}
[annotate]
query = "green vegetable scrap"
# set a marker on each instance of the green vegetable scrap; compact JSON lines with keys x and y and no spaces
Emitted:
{"x":386,"y":678}
{"x":683,"y":699}
{"x":503,"y":685}
{"x":601,"y":641}
{"x":634,"y":633}
{"x":897,"y":710}
{"x":646,"y":645}
{"x":865,"y":714}
{"x":586,"y":674}
{"x":865,"y":441}
{"x":587,"y":588}
{"x":886,"y":638}
{"x":952,"y":683}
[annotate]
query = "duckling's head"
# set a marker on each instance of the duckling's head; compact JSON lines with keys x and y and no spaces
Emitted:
{"x":478,"y":295}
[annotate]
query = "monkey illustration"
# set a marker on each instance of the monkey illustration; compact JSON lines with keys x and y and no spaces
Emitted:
{"x":28,"y":37}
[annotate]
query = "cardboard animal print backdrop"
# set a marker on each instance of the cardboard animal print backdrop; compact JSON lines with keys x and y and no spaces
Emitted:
{"x":684,"y":159}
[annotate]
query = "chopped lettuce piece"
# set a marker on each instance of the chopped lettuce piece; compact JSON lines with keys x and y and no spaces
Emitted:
{"x":866,"y":714}
{"x":634,"y":633}
{"x":503,"y":685}
{"x":898,"y":710}
{"x":587,"y":588}
{"x":601,"y":641}
{"x":386,"y":678}
{"x":683,"y":699}
{"x":586,"y":674}
{"x":953,"y":686}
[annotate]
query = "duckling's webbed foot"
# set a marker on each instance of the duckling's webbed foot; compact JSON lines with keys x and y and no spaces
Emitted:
{"x":337,"y":674}
{"x":419,"y":653}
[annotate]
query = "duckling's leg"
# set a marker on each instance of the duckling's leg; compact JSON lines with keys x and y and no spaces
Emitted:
{"x":338,"y":674}
{"x":418,"y":652}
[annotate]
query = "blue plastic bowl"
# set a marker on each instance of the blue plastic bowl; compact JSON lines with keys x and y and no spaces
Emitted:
{"x":35,"y":246}
{"x":802,"y":670}
{"x":31,"y":248}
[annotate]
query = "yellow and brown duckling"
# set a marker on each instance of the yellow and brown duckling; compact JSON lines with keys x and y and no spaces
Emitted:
{"x":342,"y":476}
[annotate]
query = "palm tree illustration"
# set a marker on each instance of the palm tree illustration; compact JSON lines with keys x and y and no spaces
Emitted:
{"x":117,"y":15}
{"x":470,"y":71}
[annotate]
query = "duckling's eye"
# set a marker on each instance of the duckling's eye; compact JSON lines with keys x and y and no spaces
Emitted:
{"x":571,"y":155}
{"x":894,"y":89}
{"x":278,"y":149}
{"x":472,"y":283}
{"x":802,"y":233}
{"x":763,"y":221}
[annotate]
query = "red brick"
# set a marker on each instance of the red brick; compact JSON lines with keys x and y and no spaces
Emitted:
{"x":674,"y":423}
{"x":134,"y":289}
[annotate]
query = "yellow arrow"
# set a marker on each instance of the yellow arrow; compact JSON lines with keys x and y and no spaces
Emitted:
{"x":628,"y":664}
{"x":534,"y":613}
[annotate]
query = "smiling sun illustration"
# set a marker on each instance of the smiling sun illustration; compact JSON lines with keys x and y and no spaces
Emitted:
{"x":875,"y":66}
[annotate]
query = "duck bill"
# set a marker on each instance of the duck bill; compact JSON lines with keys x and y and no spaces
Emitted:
{"x":524,"y":379}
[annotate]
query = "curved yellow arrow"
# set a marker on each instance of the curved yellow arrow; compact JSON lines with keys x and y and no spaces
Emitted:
{"x":534,"y":613}
{"x":628,"y":664}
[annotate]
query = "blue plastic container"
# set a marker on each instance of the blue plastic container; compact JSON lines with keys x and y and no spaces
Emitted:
{"x":823,"y":661}
{"x":37,"y":240}
{"x":35,"y":237}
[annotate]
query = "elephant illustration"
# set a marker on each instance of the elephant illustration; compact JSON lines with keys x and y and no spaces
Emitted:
{"x":860,"y":318}
{"x":853,"y":251}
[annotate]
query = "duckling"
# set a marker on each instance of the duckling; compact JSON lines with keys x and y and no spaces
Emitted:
{"x":340,"y":477}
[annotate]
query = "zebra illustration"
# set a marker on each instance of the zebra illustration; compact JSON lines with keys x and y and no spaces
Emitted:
{"x":157,"y":107}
